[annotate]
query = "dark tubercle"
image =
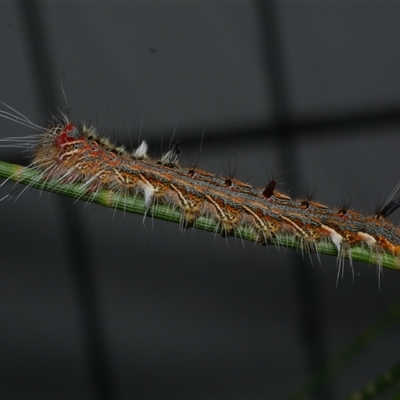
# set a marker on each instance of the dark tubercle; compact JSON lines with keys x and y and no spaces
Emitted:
{"x":228,"y":182}
{"x":269,"y":190}
{"x":305,"y":204}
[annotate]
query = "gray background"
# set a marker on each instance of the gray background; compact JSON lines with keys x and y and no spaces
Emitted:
{"x":95,"y":305}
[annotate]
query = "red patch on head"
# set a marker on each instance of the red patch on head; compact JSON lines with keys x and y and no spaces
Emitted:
{"x":64,"y":136}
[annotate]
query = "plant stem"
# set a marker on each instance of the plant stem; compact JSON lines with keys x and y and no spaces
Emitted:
{"x":136,"y":205}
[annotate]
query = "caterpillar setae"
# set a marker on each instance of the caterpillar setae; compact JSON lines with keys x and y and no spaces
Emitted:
{"x":71,"y":158}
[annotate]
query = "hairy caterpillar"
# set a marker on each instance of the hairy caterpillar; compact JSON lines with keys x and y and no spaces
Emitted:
{"x":66,"y":152}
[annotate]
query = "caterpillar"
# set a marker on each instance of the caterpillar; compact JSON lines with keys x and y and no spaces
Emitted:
{"x":66,"y":152}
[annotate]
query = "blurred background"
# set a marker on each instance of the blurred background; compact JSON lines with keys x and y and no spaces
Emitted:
{"x":97,"y":304}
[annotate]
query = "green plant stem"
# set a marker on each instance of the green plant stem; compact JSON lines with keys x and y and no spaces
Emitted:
{"x":136,"y":205}
{"x":383,"y":382}
{"x":355,"y":348}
